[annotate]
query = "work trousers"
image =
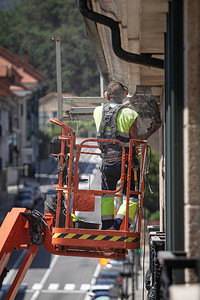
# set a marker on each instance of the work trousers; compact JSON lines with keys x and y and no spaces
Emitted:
{"x":111,"y":175}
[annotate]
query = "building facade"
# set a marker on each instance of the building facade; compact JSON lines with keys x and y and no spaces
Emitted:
{"x":20,"y":88}
{"x":157,"y":44}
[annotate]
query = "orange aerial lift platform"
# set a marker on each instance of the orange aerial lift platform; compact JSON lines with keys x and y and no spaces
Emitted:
{"x":23,"y":229}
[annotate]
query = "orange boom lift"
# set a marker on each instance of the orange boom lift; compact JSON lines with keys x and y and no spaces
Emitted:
{"x":23,"y":229}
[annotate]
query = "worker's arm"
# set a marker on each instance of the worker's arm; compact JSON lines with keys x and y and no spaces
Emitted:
{"x":133,"y":132}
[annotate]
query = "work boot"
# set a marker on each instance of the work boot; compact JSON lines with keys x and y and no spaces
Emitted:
{"x":116,"y":224}
{"x":106,"y":224}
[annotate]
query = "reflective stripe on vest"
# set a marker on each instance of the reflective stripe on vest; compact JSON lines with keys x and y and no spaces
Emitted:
{"x":107,"y":207}
{"x":133,"y":207}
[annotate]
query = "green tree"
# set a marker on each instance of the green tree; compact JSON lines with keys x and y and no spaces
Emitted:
{"x":28,"y":28}
{"x":151,"y":200}
{"x":81,"y":128}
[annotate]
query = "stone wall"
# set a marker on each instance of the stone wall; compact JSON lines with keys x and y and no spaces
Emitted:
{"x":191,"y":128}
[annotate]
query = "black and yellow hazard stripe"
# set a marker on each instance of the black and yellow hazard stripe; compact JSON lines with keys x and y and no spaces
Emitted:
{"x":95,"y":237}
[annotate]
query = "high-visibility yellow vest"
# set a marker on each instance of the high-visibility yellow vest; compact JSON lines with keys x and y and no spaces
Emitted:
{"x":125,"y":118}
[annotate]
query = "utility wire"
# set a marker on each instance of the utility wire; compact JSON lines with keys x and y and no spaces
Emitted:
{"x":37,"y":226}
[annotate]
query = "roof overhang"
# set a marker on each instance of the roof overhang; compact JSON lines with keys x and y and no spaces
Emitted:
{"x":142,"y":27}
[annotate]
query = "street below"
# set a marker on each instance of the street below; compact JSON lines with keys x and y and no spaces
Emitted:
{"x":51,"y":276}
{"x":62,"y":277}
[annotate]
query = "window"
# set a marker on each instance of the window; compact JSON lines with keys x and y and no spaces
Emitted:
{"x":54,"y":114}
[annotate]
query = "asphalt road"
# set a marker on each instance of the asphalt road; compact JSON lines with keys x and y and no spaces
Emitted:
{"x":53,"y":277}
{"x":50,"y":276}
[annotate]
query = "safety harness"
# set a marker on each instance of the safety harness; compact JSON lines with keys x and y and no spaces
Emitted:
{"x":109,"y":116}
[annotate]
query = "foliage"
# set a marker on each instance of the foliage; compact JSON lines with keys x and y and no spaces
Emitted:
{"x":86,"y":129}
{"x":147,"y":214}
{"x":155,"y":215}
{"x":151,"y":200}
{"x":6,"y":4}
{"x":28,"y":28}
{"x":81,"y":128}
{"x":53,"y":131}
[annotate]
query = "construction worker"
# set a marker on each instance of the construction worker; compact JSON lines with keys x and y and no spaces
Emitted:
{"x":115,"y":121}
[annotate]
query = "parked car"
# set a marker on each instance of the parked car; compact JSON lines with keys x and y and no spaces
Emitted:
{"x":20,"y":294}
{"x":116,"y":265}
{"x":102,"y":297}
{"x":110,"y":275}
{"x":106,"y":281}
{"x":25,"y":198}
{"x":104,"y":291}
{"x":98,"y":290}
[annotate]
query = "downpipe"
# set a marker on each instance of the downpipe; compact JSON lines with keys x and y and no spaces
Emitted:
{"x":141,"y":59}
